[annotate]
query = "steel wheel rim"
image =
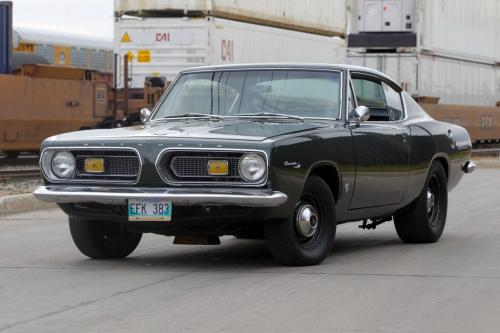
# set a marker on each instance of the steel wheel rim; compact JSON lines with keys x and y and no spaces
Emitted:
{"x":308,"y":207}
{"x":433,"y":200}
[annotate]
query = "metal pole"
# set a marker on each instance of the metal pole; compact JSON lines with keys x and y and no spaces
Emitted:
{"x":125,"y":84}
{"x":5,"y":36}
{"x":115,"y":87}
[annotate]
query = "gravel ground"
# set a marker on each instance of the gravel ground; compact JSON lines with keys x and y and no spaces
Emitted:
{"x":10,"y":187}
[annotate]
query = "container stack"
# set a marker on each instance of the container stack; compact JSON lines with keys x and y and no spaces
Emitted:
{"x":163,"y":37}
{"x":446,"y":51}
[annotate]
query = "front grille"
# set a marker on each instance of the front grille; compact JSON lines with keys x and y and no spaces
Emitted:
{"x":119,"y":165}
{"x":196,"y":166}
{"x":188,"y":166}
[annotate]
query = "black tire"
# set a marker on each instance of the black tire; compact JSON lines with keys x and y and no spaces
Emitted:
{"x":102,"y":239}
{"x":284,"y":240}
{"x":421,"y":223}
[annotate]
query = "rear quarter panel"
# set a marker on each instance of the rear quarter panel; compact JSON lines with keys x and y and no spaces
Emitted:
{"x":430,"y":141}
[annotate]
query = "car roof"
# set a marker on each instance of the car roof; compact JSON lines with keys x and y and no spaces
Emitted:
{"x":306,"y":66}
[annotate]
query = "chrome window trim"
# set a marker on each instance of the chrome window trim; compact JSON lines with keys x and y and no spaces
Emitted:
{"x":381,"y":78}
{"x":219,"y":150}
{"x":187,"y":72}
{"x":73,"y":180}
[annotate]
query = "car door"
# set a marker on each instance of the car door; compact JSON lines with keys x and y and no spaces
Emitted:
{"x":381,"y":144}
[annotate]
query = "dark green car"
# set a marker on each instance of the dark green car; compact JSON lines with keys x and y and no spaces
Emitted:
{"x":284,"y":152}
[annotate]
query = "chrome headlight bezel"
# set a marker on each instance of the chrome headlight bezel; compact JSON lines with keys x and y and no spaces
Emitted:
{"x":253,"y":167}
{"x":47,"y":164}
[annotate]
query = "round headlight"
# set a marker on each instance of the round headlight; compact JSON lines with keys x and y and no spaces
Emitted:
{"x":252,"y":167}
{"x":63,"y":164}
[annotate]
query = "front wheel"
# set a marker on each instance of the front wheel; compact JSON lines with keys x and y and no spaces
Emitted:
{"x":103,"y":239}
{"x":306,"y":237}
{"x":424,"y":220}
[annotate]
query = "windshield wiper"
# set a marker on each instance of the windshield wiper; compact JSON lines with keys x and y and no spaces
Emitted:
{"x":270,"y":115}
{"x":194,"y":115}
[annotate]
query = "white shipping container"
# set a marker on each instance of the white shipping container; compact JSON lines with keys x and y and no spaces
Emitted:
{"x":164,"y":46}
{"x":462,"y":29}
{"x":326,"y":16}
{"x":453,"y":81}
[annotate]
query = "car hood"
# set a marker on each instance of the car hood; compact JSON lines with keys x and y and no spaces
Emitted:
{"x":227,"y":129}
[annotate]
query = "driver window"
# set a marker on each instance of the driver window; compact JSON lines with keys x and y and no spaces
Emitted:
{"x":384,"y":102}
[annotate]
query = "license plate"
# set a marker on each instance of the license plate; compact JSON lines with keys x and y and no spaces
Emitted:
{"x":149,"y":210}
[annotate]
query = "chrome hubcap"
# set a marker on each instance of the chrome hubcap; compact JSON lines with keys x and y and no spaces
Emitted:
{"x":306,"y":220}
{"x":430,"y":200}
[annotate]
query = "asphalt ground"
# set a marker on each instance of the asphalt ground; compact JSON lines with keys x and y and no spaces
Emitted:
{"x":370,"y":283}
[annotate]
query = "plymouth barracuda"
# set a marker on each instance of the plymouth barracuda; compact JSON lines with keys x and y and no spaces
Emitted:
{"x":280,"y":151}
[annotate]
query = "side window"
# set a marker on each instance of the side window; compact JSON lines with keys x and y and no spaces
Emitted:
{"x":394,"y":103}
{"x":384,"y":102}
{"x":369,"y":93}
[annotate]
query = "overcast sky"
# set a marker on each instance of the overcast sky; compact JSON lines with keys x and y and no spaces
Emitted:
{"x":93,"y":18}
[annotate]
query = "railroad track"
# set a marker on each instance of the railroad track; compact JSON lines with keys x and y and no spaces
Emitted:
{"x":24,"y":161}
{"x":21,"y":173}
{"x":486,"y":152}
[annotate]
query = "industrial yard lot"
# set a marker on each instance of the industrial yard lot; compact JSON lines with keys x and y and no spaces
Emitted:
{"x":371,"y":282}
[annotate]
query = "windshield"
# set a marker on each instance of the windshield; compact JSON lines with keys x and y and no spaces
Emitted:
{"x":245,"y":93}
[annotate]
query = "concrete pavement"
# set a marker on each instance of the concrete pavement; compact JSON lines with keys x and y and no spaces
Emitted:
{"x":371,"y":283}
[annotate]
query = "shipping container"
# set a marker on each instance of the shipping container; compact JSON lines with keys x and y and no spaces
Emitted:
{"x":452,"y":81}
{"x":462,"y":29}
{"x":161,"y":47}
{"x":326,"y":17}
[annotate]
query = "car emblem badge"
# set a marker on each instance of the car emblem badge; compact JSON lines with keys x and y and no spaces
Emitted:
{"x":218,"y":168}
{"x":94,"y":165}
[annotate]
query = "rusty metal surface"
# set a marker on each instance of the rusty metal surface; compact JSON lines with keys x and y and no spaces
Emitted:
{"x":483,"y":123}
{"x":33,"y":108}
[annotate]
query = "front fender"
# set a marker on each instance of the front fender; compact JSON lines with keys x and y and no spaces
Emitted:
{"x":294,"y":159}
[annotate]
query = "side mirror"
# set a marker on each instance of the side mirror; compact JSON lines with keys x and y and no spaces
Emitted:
{"x":144,"y":114}
{"x":361,"y":114}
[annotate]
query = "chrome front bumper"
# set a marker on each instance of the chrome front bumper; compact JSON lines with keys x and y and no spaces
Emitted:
{"x":184,"y":196}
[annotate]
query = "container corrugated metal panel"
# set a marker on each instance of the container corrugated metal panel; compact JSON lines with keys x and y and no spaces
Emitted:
{"x":323,"y":15}
{"x":78,"y":57}
{"x":97,"y":60}
{"x":175,"y":44}
{"x":46,"y":51}
{"x":465,"y":28}
{"x":453,"y":81}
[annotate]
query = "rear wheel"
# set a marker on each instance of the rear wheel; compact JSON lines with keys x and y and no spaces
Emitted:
{"x":425,"y":218}
{"x":102,"y":239}
{"x":306,"y":237}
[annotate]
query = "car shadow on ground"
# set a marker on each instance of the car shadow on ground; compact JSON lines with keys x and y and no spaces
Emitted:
{"x":244,"y":255}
